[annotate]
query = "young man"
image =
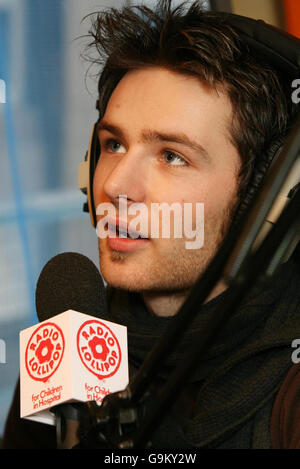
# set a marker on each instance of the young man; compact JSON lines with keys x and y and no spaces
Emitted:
{"x":186,"y":114}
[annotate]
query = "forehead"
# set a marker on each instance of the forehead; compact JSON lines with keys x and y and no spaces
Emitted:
{"x":171,"y":101}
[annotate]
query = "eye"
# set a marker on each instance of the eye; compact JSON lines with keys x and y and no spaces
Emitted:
{"x":172,"y":159}
{"x":114,"y":146}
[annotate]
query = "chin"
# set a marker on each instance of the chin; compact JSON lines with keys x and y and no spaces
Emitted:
{"x":120,"y":275}
{"x":139,"y":280}
{"x":132,"y":285}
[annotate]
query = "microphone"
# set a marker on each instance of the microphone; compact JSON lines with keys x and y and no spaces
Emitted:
{"x":73,"y":355}
{"x":70,"y":281}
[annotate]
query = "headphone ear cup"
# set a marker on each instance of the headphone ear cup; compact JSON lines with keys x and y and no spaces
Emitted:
{"x":258,"y":175}
{"x":286,"y":193}
{"x":86,"y":171}
{"x":94,"y":157}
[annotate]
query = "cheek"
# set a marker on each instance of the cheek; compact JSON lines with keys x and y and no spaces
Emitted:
{"x":218,"y":197}
{"x":220,"y":190}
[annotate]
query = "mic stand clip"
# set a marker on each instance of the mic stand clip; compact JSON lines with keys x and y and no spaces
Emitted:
{"x":111,"y":424}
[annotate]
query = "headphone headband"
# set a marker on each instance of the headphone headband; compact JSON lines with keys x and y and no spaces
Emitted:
{"x":277,"y":46}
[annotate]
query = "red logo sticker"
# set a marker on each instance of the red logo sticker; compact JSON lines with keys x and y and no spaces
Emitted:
{"x":44,"y":351}
{"x":99,"y":349}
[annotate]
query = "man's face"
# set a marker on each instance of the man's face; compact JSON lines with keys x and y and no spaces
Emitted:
{"x":165,"y":137}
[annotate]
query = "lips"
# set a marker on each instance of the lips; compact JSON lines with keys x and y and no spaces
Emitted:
{"x":122,"y":229}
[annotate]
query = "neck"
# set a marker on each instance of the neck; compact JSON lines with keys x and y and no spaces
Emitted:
{"x":168,"y":304}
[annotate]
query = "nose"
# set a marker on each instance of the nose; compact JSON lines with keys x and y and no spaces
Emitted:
{"x":127,"y":177}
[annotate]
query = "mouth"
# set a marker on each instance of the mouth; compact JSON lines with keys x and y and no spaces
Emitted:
{"x":123,"y":239}
{"x":120,"y":229}
{"x":129,"y":234}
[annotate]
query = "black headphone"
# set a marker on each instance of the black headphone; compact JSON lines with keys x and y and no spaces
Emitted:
{"x":278,"y":48}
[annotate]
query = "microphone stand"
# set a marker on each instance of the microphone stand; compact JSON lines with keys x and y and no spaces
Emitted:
{"x":241,"y":269}
{"x":68,"y":417}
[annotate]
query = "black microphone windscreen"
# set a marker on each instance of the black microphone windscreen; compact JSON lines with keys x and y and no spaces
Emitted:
{"x":70,"y":281}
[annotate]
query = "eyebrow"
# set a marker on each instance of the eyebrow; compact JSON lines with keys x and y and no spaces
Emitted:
{"x":152,"y":136}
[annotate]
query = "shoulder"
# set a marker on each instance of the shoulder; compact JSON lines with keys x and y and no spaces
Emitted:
{"x":285,"y":419}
